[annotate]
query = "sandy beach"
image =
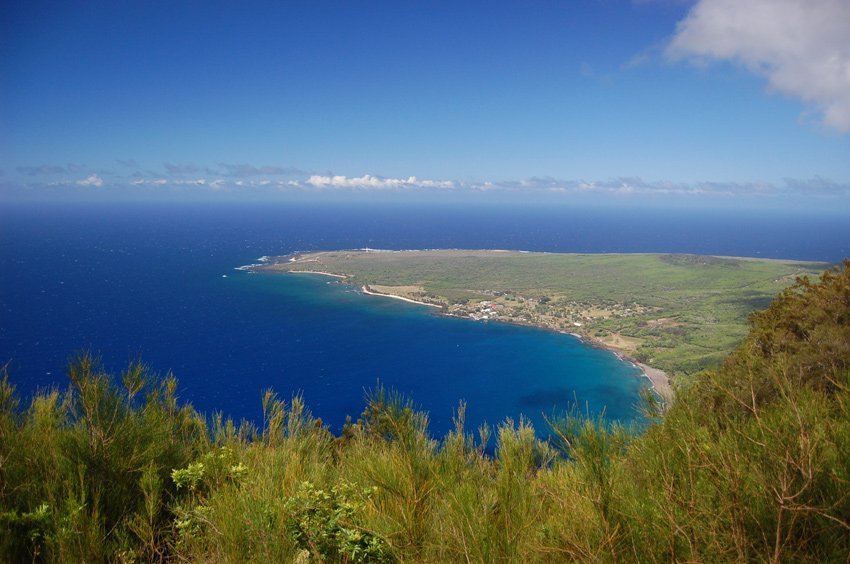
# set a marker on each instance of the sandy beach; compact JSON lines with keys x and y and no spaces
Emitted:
{"x":660,"y":381}
{"x":317,"y":272}
{"x":366,"y":290}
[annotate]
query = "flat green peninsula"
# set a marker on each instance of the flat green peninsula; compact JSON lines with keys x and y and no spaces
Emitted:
{"x":677,"y":313}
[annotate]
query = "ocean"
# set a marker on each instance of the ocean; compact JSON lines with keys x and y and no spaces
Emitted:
{"x":158,"y":282}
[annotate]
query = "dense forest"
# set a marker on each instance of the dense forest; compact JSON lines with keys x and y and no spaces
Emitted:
{"x":749,"y":462}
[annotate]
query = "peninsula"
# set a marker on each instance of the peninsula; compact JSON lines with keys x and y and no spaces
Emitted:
{"x":671,"y":314}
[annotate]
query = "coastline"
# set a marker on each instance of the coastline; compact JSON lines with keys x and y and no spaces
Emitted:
{"x":342,"y":276}
{"x":658,"y":379}
{"x":365,"y":289}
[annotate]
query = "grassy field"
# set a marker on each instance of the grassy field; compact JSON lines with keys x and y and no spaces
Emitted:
{"x":679,"y":313}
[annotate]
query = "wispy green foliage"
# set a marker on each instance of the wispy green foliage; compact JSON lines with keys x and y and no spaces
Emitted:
{"x":749,"y":463}
{"x":323,"y":523}
{"x":98,"y":460}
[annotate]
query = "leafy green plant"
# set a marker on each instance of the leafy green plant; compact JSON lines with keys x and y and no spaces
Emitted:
{"x":324,"y":522}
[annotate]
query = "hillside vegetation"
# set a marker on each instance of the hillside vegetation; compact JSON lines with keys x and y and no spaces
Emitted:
{"x":749,"y":463}
{"x":679,"y":313}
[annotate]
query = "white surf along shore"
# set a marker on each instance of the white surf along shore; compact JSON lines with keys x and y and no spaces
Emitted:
{"x":658,"y":379}
{"x":317,"y":272}
{"x":367,"y":291}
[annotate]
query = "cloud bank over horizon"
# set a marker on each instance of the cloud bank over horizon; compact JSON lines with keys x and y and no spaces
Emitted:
{"x":802,"y":47}
{"x":277,"y":181}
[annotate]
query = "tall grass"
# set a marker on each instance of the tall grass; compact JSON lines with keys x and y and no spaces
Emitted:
{"x":748,"y":463}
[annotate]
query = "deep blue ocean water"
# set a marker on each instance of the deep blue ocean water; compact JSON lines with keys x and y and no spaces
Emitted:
{"x":129,"y":280}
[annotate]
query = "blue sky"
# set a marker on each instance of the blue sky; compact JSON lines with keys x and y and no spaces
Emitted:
{"x":592,"y":100}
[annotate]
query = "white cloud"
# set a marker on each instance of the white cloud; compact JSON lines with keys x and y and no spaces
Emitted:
{"x":93,"y":180}
{"x":626,"y":188}
{"x":802,"y":47}
{"x":369,"y":182}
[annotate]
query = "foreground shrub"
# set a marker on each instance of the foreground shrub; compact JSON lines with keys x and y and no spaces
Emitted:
{"x":749,"y":463}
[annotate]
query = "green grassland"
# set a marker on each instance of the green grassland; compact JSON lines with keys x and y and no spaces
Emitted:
{"x":680,"y":313}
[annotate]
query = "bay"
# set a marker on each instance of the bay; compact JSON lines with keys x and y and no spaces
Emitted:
{"x":157,"y":281}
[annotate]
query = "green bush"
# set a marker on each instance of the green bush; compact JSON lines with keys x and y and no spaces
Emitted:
{"x":748,"y":463}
